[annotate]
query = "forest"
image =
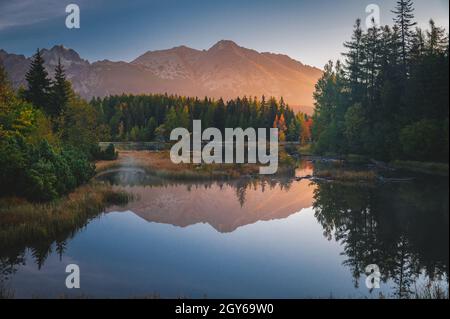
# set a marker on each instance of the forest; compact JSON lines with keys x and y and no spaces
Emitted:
{"x":153,"y":117}
{"x":389,"y":98}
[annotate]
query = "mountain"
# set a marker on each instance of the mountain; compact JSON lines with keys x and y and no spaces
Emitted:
{"x":225,"y":70}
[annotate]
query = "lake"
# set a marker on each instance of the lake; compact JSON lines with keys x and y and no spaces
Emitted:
{"x":273,"y":238}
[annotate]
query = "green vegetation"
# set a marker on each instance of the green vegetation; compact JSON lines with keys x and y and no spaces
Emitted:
{"x":48,"y":136}
{"x":152,"y":117}
{"x":389,"y":100}
{"x":108,"y":154}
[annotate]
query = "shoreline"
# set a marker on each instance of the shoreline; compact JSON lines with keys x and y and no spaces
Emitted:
{"x":159,"y":164}
{"x":27,"y":221}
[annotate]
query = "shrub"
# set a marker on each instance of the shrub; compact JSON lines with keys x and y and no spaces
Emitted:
{"x":422,"y":141}
{"x":42,"y":172}
{"x":109,"y":154}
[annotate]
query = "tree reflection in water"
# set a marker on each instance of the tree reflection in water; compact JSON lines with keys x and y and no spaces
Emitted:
{"x":401,"y":227}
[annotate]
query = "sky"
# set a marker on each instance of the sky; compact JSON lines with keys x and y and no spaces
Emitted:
{"x":311,"y":31}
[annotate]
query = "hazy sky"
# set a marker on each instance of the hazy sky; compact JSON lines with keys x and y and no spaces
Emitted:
{"x":311,"y":31}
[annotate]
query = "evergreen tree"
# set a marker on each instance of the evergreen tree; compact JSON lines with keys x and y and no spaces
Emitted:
{"x":404,"y":20}
{"x":38,"y":84}
{"x":220,"y":116}
{"x":418,"y":45}
{"x":437,"y":41}
{"x":392,"y":100}
{"x":371,"y":64}
{"x":353,"y":60}
{"x":61,"y":91}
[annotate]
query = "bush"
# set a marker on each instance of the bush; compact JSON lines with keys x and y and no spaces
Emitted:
{"x":109,"y":154}
{"x":41,"y":182}
{"x":423,"y":141}
{"x":79,"y":165}
{"x":42,"y":172}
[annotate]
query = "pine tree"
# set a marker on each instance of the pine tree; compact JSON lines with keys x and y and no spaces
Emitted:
{"x":220,"y":116}
{"x":353,"y":60}
{"x":372,"y":61}
{"x":437,"y":41}
{"x":404,"y":20}
{"x":418,"y":45}
{"x":392,"y":100}
{"x":38,"y":83}
{"x":61,"y":91}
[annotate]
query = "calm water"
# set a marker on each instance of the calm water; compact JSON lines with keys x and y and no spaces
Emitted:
{"x":280,"y":238}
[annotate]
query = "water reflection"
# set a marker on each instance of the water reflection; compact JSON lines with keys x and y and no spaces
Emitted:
{"x":225,"y":206}
{"x":401,"y":227}
{"x":18,"y":242}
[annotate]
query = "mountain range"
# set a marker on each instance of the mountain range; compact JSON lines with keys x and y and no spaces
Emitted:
{"x":225,"y":70}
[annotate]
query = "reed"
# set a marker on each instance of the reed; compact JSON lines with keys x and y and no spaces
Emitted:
{"x":23,"y":223}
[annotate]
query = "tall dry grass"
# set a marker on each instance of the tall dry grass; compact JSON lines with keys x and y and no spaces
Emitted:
{"x":23,"y":223}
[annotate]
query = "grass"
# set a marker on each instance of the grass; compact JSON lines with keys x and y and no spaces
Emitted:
{"x":23,"y":224}
{"x":347,"y":176}
{"x":423,"y":167}
{"x":160,"y":165}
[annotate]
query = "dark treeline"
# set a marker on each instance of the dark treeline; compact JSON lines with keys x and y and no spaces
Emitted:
{"x":152,"y":117}
{"x":389,"y":100}
{"x":48,"y":136}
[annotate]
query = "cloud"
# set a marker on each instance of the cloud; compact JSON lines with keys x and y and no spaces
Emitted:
{"x":16,"y":13}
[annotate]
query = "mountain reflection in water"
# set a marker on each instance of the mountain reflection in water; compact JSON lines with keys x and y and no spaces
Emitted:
{"x":402,"y":227}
